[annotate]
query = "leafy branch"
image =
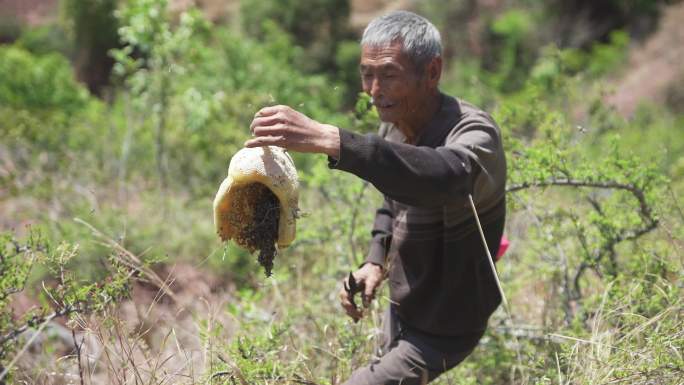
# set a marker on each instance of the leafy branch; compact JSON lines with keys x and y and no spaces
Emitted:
{"x":607,"y":248}
{"x":67,"y":295}
{"x":621,"y":201}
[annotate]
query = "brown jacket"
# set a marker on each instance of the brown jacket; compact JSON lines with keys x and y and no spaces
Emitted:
{"x":440,"y":280}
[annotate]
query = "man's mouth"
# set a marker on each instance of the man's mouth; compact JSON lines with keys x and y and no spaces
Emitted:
{"x":384,"y":105}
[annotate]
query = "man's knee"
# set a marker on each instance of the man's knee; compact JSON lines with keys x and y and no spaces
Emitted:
{"x":371,"y":376}
{"x":414,"y":359}
{"x":404,"y":365}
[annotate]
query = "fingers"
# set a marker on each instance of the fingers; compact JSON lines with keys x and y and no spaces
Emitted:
{"x":367,"y":284}
{"x":368,"y":295}
{"x":275,"y":130}
{"x":266,"y":121}
{"x":270,"y":110}
{"x":269,"y":121}
{"x":261,"y":141}
{"x":284,"y":127}
{"x":351,"y":310}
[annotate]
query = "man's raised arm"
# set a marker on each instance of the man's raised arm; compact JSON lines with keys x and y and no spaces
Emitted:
{"x":415,"y":175}
{"x":419,"y":175}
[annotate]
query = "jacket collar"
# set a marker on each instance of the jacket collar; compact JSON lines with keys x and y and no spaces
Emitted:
{"x":446,"y":117}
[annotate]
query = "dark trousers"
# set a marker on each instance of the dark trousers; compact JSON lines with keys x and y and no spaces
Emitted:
{"x":410,"y":356}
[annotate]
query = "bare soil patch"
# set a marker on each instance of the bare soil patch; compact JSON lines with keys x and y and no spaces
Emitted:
{"x":655,"y":70}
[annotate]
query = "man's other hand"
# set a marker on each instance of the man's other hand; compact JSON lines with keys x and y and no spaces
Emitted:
{"x":285,"y":127}
{"x":368,"y":278}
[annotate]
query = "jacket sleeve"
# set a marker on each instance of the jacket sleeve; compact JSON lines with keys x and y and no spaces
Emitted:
{"x":420,"y":175}
{"x":381,"y":235}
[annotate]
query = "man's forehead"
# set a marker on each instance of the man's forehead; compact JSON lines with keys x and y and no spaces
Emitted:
{"x":384,"y":55}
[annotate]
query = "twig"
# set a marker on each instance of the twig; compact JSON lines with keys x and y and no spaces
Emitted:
{"x":236,"y":370}
{"x":26,"y":345}
{"x":78,"y":354}
{"x":13,"y":334}
{"x":222,"y":373}
{"x":595,"y":343}
{"x":571,"y":182}
{"x":496,"y":276}
{"x":560,"y":375}
{"x":490,"y":259}
{"x":130,"y":260}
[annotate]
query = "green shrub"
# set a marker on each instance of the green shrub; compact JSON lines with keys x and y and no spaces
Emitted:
{"x":38,"y":82}
{"x":41,"y":40}
{"x":66,"y":295}
{"x":317,"y":25}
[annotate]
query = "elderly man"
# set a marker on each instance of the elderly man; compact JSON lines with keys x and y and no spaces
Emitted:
{"x":432,"y":152}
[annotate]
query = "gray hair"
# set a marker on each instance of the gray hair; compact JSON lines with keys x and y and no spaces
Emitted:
{"x":420,"y":38}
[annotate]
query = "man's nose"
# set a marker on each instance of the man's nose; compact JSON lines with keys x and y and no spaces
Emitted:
{"x":375,"y":88}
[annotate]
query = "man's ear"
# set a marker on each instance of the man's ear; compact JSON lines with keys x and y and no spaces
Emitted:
{"x":434,"y":71}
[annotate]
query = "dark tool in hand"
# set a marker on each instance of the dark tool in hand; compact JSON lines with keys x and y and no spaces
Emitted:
{"x":352,"y":287}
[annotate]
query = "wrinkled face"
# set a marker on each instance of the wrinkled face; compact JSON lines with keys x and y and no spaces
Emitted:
{"x":390,"y":77}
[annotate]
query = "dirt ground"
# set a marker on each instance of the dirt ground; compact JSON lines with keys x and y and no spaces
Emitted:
{"x":655,"y":66}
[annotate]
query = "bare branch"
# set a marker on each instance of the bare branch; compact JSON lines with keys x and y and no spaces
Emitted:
{"x":78,"y":354}
{"x":13,"y":334}
{"x":570,"y":182}
{"x":612,"y":236}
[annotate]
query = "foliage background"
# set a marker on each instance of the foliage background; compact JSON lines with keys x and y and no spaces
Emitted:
{"x":118,"y":120}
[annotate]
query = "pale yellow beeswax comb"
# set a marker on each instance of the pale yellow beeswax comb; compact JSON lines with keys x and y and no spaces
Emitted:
{"x":238,"y":197}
